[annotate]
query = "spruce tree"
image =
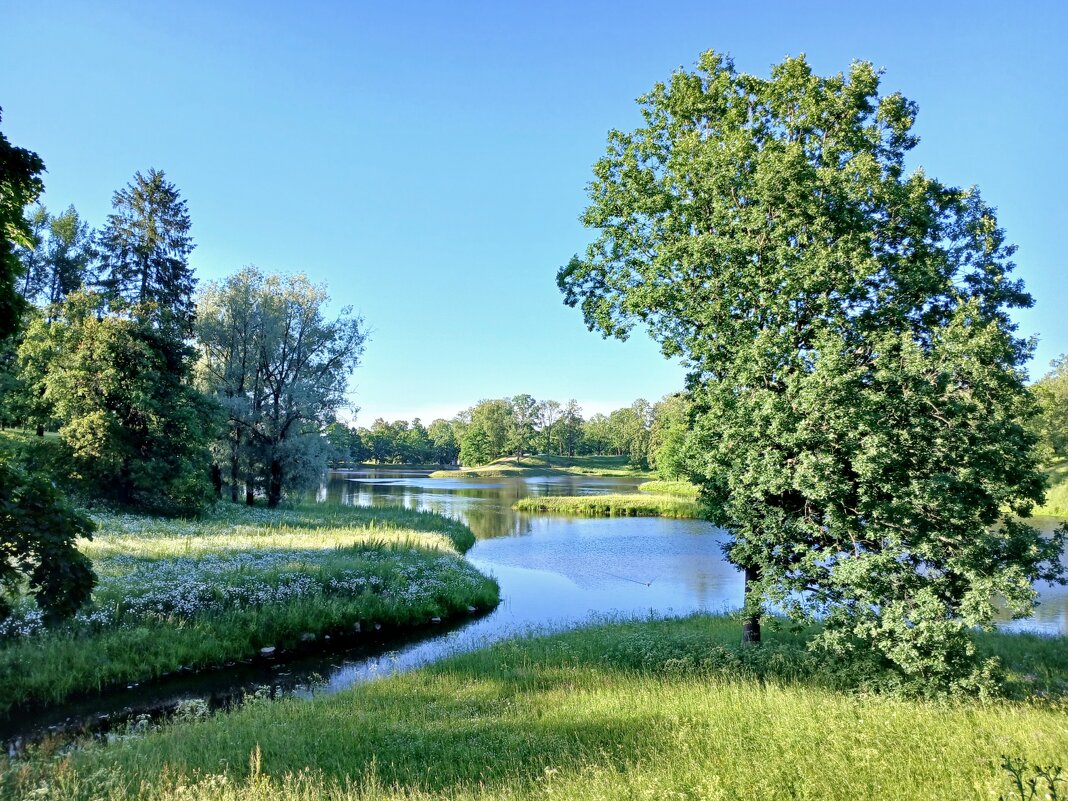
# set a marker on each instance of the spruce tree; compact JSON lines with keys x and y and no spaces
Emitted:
{"x":145,"y":249}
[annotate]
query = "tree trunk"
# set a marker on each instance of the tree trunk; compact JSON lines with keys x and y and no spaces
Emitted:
{"x":234,"y":467}
{"x":751,"y":624}
{"x":125,"y":482}
{"x":40,"y":429}
{"x":250,"y":490}
{"x":216,"y":479}
{"x":274,"y":489}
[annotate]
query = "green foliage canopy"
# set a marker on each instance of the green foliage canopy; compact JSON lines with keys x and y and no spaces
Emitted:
{"x":145,"y":249}
{"x":857,"y":383}
{"x":58,"y":261}
{"x":135,"y":427}
{"x":280,"y":369}
{"x":20,"y":184}
{"x":38,"y":531}
{"x":38,"y":545}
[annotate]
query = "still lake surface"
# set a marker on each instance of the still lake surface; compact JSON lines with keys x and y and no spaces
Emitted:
{"x":557,"y":572}
{"x":554,"y":572}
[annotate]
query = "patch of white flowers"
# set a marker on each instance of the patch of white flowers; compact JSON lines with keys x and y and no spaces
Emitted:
{"x":132,"y":589}
{"x":25,"y":621}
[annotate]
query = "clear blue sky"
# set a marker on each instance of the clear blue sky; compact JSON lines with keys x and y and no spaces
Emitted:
{"x":428,"y":161}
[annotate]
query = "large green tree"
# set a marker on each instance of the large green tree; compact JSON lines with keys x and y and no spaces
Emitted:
{"x":1052,"y":422}
{"x":570,"y":428}
{"x":38,"y":545}
{"x":59,"y":260}
{"x":56,"y":262}
{"x":548,"y":416}
{"x":136,"y":428}
{"x":524,"y":425}
{"x":597,"y":434}
{"x":281,"y":370}
{"x":228,"y":331}
{"x":486,"y":435}
{"x":856,"y":377}
{"x":669,"y":437}
{"x":445,"y":447}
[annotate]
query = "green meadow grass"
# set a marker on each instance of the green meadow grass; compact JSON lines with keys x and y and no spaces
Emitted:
{"x":666,"y":709}
{"x":198,"y":593}
{"x":637,"y":505}
{"x":683,"y":489}
{"x":1057,"y":494}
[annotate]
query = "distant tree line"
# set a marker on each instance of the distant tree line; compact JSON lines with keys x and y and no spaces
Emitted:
{"x":653,"y":436}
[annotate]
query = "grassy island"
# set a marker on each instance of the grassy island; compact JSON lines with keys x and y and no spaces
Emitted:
{"x":197,"y":593}
{"x":683,"y":489}
{"x":654,"y":709}
{"x":636,"y":505}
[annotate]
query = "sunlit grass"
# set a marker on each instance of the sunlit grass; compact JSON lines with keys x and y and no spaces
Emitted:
{"x":612,"y":506}
{"x":262,"y":529}
{"x":683,"y":489}
{"x":650,"y":710}
{"x":1057,"y":494}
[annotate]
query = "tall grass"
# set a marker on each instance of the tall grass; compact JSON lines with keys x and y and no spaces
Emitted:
{"x":612,"y":506}
{"x":683,"y":489}
{"x":651,"y":710}
{"x":197,"y":593}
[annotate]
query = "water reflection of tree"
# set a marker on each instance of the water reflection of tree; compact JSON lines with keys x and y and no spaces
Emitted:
{"x":488,"y":521}
{"x":486,"y":510}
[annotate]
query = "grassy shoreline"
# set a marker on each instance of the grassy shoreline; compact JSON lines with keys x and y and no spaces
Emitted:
{"x":176,"y":594}
{"x":637,"y":505}
{"x":651,"y":709}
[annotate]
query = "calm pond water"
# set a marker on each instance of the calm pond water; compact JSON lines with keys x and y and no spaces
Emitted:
{"x":559,"y":571}
{"x":554,"y":572}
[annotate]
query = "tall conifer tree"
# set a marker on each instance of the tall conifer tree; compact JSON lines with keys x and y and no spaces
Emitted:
{"x":145,"y":249}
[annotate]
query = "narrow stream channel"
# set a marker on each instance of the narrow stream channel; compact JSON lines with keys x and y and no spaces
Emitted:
{"x":554,"y":572}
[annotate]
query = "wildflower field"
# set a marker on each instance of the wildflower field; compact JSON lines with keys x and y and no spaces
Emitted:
{"x":197,"y":593}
